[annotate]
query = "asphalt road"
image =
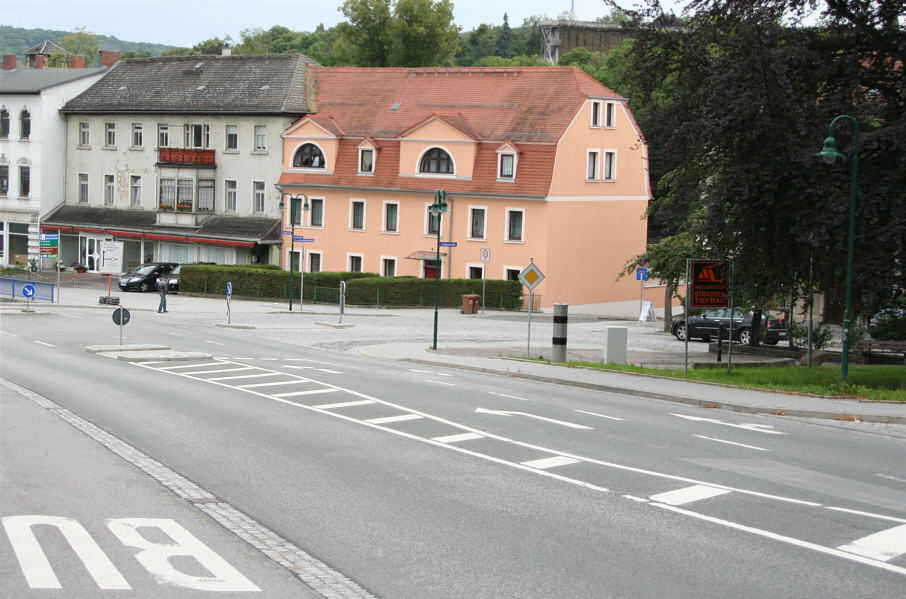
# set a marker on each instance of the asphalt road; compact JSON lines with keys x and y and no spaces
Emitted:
{"x":429,"y":482}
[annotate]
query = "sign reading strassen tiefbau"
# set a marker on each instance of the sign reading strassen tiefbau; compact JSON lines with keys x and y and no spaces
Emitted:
{"x":710,"y":284}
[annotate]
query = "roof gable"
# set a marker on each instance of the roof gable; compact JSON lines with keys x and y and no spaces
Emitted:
{"x":441,"y":127}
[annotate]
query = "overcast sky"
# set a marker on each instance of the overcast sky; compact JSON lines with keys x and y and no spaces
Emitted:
{"x":188,"y":22}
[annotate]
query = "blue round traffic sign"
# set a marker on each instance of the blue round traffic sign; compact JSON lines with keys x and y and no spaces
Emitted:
{"x":28,"y":290}
{"x":229,"y":288}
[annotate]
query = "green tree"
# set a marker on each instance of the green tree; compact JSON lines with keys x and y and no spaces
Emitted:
{"x":477,"y":44}
{"x":505,"y":39}
{"x":368,"y":31}
{"x":81,"y":42}
{"x":423,"y":33}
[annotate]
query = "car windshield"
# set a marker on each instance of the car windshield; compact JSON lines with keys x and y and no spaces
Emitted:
{"x":175,"y":271}
{"x":144,"y":270}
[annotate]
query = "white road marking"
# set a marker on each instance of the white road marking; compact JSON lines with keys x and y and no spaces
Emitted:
{"x":388,"y":419}
{"x":600,"y":415}
{"x":214,"y":342}
{"x":553,"y":462}
{"x":312,"y":361}
{"x":535,"y":416}
{"x":244,"y":376}
{"x":197,"y":372}
{"x":345,"y":404}
{"x":509,"y":396}
{"x":884,"y":545}
{"x":442,"y":383}
{"x":273,"y":384}
{"x":688,"y":495}
{"x":309,"y":392}
{"x":442,"y":374}
{"x":758,"y":428}
{"x":190,"y":366}
{"x":47,"y":344}
{"x":731,"y":443}
{"x":785,"y":539}
{"x":417,"y":370}
{"x":328,"y":371}
{"x":869,"y":514}
{"x":902,"y":480}
{"x":299,"y":367}
{"x":458,"y":438}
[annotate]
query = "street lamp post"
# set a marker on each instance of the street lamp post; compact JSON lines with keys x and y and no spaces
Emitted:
{"x":829,"y":154}
{"x":293,"y":212}
{"x":437,"y":209}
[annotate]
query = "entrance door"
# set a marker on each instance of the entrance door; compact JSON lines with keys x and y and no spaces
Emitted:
{"x":90,"y":251}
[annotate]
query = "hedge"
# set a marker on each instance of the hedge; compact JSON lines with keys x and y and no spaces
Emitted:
{"x":269,"y":281}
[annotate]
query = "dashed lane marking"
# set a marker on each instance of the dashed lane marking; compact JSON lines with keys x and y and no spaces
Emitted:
{"x":389,"y":419}
{"x":553,"y":462}
{"x":600,"y":415}
{"x":345,"y":404}
{"x":308,"y":392}
{"x":458,"y":438}
{"x":688,"y":495}
{"x":732,"y":443}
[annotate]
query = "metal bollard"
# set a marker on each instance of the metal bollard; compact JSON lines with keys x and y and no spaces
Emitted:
{"x":559,"y":337}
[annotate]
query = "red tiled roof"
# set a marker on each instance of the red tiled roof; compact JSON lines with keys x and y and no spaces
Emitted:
{"x":528,"y":107}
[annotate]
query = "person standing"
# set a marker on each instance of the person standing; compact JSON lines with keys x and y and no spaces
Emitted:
{"x":162,"y":288}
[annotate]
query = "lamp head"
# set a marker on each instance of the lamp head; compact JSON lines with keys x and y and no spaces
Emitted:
{"x":829,"y":153}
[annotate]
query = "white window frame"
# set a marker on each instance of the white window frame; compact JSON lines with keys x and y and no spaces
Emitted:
{"x":258,"y":197}
{"x":204,"y":132}
{"x":109,"y":190}
{"x":470,"y":266}
{"x":384,"y":260}
{"x":592,"y":165}
{"x":352,"y":204}
{"x":484,"y":224}
{"x":320,"y":256}
{"x":506,"y":224}
{"x":373,"y":156}
{"x":350,"y":256}
{"x":135,"y":191}
{"x":230,"y":196}
{"x":507,"y":269}
{"x":318,"y":169}
{"x":163,"y":135}
{"x":137,"y":138}
{"x":231,"y":149}
{"x":84,"y":135}
{"x":609,"y":159}
{"x":610,"y":115}
{"x":83,"y":189}
{"x":428,"y":174}
{"x":109,"y":135}
{"x":440,"y":223}
{"x":24,"y":172}
{"x":384,"y":229}
{"x":500,"y":175}
{"x":260,"y":134}
{"x":596,"y":116}
{"x":205,"y":187}
{"x":311,"y":212}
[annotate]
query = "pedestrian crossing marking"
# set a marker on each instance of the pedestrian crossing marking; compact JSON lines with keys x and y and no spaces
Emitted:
{"x":458,"y":438}
{"x":345,"y":404}
{"x":309,"y":392}
{"x":389,"y":419}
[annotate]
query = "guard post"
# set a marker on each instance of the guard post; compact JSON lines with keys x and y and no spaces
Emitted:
{"x":559,"y":335}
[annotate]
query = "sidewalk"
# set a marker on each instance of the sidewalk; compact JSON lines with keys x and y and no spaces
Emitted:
{"x":485,"y":343}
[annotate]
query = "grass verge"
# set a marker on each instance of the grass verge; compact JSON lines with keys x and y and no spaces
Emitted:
{"x":883,"y":383}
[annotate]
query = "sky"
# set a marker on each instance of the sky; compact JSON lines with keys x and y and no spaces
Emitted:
{"x":187,"y":22}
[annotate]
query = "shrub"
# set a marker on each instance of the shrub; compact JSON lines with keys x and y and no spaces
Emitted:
{"x":821,"y":335}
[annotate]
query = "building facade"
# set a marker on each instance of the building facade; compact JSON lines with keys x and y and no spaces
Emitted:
{"x":32,"y":151}
{"x":538,"y":164}
{"x":177,"y":158}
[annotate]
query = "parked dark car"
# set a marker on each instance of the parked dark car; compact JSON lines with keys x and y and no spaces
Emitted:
{"x":173,"y":277}
{"x":144,"y":277}
{"x":706,"y":326}
{"x":885,"y":323}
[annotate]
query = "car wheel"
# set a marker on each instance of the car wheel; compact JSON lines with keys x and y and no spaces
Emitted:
{"x":745,"y":336}
{"x":144,"y":286}
{"x":680,"y":331}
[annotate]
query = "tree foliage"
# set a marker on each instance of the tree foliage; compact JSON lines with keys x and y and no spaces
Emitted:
{"x":735,"y":105}
{"x":81,"y":42}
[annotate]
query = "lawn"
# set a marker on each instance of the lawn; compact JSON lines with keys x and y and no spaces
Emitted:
{"x":885,"y":383}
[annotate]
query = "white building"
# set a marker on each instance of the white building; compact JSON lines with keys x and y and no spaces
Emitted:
{"x":177,"y":157}
{"x":32,"y":151}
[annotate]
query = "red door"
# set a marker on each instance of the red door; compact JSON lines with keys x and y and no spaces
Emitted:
{"x":430,"y":271}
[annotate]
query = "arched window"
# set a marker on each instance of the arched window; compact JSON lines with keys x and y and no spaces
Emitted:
{"x":436,"y":160}
{"x":4,"y":123}
{"x":309,"y":156}
{"x":24,"y":124}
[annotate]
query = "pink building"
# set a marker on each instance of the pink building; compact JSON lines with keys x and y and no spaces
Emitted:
{"x":537,"y":163}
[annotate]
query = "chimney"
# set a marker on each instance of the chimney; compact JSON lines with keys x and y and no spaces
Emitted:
{"x":76,"y":61}
{"x":109,"y":58}
{"x":39,"y":61}
{"x":225,"y":51}
{"x":9,"y":62}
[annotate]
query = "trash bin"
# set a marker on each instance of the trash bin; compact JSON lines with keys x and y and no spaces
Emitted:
{"x":470,"y":303}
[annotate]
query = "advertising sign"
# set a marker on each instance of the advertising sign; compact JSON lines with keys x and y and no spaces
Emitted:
{"x":111,"y":262}
{"x":710,"y":286}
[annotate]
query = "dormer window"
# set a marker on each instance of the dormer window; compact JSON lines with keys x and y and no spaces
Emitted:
{"x":366,"y":160}
{"x":309,"y":156}
{"x":507,"y":167}
{"x":436,"y":161}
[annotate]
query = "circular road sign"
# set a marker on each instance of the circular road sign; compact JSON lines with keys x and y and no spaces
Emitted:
{"x":121,"y":316}
{"x":229,"y":288}
{"x":28,"y":290}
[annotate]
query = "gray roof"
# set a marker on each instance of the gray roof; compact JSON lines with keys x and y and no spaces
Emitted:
{"x":32,"y":81}
{"x":220,"y":228}
{"x":47,"y":48}
{"x":277,"y":84}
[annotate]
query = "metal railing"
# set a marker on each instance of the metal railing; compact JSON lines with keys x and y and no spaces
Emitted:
{"x":13,"y":288}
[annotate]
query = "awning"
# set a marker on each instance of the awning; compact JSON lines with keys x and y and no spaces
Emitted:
{"x":424,"y":255}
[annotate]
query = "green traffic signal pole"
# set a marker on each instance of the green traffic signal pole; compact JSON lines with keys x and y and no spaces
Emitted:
{"x":829,"y":154}
{"x":437,"y":208}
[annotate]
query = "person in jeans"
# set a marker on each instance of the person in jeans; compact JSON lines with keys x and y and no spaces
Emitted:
{"x":162,"y":288}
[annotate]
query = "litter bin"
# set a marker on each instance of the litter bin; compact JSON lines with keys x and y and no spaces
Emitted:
{"x":470,"y":303}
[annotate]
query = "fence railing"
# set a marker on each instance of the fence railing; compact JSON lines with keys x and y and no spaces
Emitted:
{"x":13,"y":288}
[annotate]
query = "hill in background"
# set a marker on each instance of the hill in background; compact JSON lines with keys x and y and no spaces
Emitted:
{"x":15,"y":40}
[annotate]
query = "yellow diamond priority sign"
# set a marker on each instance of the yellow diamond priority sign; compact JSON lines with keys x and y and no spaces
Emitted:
{"x":531,"y":276}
